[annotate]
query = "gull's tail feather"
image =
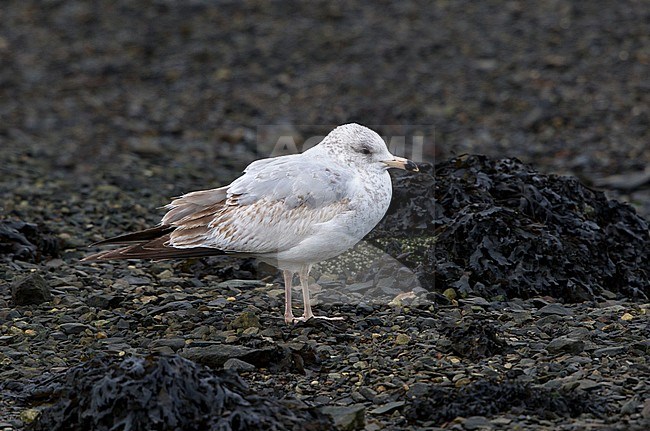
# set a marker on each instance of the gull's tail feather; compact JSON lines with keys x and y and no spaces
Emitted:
{"x":139,"y":236}
{"x":150,"y":244}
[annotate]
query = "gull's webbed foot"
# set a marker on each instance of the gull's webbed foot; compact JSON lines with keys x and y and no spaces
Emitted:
{"x":304,"y":318}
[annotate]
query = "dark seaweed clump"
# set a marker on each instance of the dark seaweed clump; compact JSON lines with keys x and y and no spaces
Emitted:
{"x":499,"y":229}
{"x":161,"y":393}
{"x":437,"y":404}
{"x":474,"y":339}
{"x":26,"y":241}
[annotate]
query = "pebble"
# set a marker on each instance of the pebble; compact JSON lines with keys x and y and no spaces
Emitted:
{"x":30,"y":290}
{"x":247,"y":319}
{"x":609,"y":351}
{"x":238,"y":364}
{"x":402,"y":339}
{"x":347,"y":418}
{"x":74,"y":328}
{"x":555,"y":309}
{"x":477,"y":423}
{"x":387,"y":408}
{"x":216,"y":355}
{"x":565,"y":345}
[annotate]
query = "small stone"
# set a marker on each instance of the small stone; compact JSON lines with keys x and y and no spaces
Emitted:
{"x":173,"y":343}
{"x":238,"y":365}
{"x":555,"y":309}
{"x":240,"y":284}
{"x":361,"y":365}
{"x":627,"y":317}
{"x":216,"y":355}
{"x":165,"y":350}
{"x":566,"y":345}
{"x":245,"y":320}
{"x":30,"y":290}
{"x":402,"y":339}
{"x":587,"y":384}
{"x":73,"y":328}
{"x":367,"y":393}
{"x":104,"y":301}
{"x":610,"y":351}
{"x":135,"y":281}
{"x":477,"y":422}
{"x":387,"y":408}
{"x":450,"y":294}
{"x":501,"y":421}
{"x":630,"y":407}
{"x":166,"y":274}
{"x":347,"y":418}
{"x":645,"y":412}
{"x":475,"y":301}
{"x":30,"y":415}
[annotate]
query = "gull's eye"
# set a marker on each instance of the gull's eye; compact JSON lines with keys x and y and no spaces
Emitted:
{"x":365,"y":150}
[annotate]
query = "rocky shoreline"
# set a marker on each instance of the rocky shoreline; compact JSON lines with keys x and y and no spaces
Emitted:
{"x":110,"y":108}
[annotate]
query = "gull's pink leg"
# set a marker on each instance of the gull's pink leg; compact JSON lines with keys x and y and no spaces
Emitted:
{"x":304,"y":283}
{"x":288,"y":312}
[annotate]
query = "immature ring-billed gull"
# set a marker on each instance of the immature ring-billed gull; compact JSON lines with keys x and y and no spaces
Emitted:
{"x":291,"y":211}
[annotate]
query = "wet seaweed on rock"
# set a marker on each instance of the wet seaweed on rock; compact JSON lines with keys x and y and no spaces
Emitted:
{"x":488,"y":397}
{"x":26,"y":241}
{"x":499,"y":229}
{"x":475,"y":339}
{"x":160,"y":393}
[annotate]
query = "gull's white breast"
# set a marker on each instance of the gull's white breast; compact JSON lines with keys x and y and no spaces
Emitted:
{"x":364,"y":208}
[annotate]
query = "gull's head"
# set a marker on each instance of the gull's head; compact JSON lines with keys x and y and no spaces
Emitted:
{"x":357,"y":145}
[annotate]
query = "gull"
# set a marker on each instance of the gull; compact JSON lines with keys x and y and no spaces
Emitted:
{"x":289,"y":211}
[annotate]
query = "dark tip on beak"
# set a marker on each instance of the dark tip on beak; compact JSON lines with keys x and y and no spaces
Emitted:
{"x":411,"y":166}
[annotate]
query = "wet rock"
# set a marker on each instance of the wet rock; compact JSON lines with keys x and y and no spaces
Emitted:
{"x":402,"y":339}
{"x":645,"y":412}
{"x":347,"y":418}
{"x":216,"y":355}
{"x":566,"y":345}
{"x":587,"y":384}
{"x":239,"y":284}
{"x":238,"y":365}
{"x":475,"y":301}
{"x":554,"y":309}
{"x":610,"y":351}
{"x":387,"y":408}
{"x":104,"y":301}
{"x":30,"y":290}
{"x":73,"y":328}
{"x":476,"y":423}
{"x":245,"y":320}
{"x":173,"y":343}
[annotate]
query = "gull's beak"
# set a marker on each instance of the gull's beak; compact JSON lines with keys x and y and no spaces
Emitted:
{"x":401,"y":163}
